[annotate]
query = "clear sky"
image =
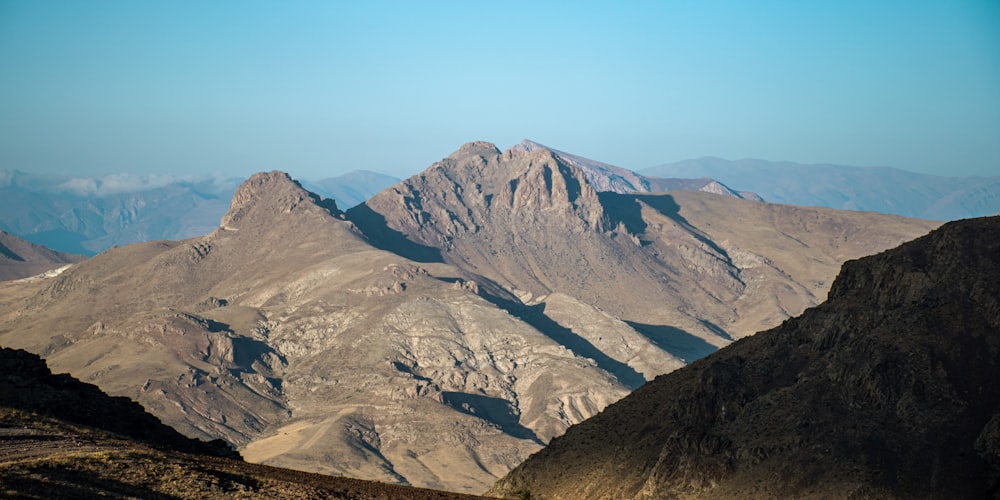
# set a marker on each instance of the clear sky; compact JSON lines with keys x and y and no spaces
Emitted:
{"x":320,"y":88}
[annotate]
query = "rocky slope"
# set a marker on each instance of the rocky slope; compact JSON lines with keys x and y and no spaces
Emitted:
{"x":888,"y":389}
{"x":21,"y":259}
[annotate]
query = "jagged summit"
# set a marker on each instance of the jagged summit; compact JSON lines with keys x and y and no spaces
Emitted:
{"x":601,"y":176}
{"x":269,"y":194}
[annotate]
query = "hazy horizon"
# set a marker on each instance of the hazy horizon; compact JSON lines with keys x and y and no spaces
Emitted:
{"x":319,"y":89}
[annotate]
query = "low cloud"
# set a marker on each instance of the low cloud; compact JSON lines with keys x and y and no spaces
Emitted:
{"x":118,"y":183}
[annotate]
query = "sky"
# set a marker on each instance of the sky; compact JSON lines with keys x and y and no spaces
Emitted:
{"x":320,"y":88}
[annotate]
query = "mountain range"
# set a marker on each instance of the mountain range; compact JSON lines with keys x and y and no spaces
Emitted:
{"x":889,"y":389}
{"x":89,"y":215}
{"x":445,"y":329}
{"x":875,"y":189}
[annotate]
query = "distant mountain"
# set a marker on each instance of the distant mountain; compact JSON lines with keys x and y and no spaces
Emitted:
{"x":609,"y":178}
{"x":889,"y":389}
{"x":21,"y":259}
{"x":351,"y":188}
{"x":88,"y":216}
{"x":883,"y":190}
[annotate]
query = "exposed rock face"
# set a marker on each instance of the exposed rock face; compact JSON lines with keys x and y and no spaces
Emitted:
{"x":890,"y":388}
{"x":21,"y":259}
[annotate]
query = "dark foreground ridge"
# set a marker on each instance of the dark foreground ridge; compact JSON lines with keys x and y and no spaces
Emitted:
{"x":62,"y":438}
{"x":889,"y":388}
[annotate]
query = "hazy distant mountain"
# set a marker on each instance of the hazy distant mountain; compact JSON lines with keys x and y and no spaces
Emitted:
{"x":889,"y":389}
{"x":87,"y":216}
{"x":351,"y":188}
{"x":21,"y":259}
{"x":884,"y":190}
{"x":444,"y":330}
{"x":90,"y":215}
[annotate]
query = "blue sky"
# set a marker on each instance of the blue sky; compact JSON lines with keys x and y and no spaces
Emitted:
{"x":321,"y":88}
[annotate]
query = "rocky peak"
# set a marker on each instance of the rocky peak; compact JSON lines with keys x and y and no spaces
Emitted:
{"x":476,"y":148}
{"x":267,"y":195}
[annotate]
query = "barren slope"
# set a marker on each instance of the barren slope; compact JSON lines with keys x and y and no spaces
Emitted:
{"x":286,"y":333}
{"x":889,"y":389}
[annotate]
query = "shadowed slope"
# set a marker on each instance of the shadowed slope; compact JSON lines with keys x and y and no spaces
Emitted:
{"x":889,"y":388}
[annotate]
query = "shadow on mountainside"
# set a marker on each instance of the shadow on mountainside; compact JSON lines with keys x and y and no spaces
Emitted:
{"x":675,"y":341}
{"x":626,"y":209}
{"x":535,"y":316}
{"x":494,"y":410}
{"x":623,"y":208}
{"x":383,"y":237}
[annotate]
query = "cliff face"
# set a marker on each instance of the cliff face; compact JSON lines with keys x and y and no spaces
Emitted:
{"x":890,"y":387}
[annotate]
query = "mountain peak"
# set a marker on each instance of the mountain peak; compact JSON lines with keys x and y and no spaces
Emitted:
{"x":528,"y":145}
{"x":475,"y":148}
{"x":270,"y":194}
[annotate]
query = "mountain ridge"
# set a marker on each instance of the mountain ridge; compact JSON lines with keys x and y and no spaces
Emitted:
{"x":878,"y":189}
{"x":306,"y":336}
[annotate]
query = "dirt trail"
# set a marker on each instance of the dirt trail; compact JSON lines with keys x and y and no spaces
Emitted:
{"x":20,"y":444}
